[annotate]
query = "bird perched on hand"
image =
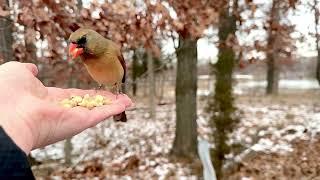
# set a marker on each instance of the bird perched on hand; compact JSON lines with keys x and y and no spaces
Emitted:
{"x":102,"y":58}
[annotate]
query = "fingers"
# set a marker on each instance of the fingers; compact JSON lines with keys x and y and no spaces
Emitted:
{"x":99,"y":114}
{"x":29,"y":66}
{"x":91,"y":93}
{"x":32,"y":68}
{"x":102,"y":113}
{"x":80,"y":118}
{"x":71,"y":121}
{"x":123,"y":98}
{"x":118,"y":104}
{"x":58,"y":93}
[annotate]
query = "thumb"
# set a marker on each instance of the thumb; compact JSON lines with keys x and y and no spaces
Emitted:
{"x":32,"y":68}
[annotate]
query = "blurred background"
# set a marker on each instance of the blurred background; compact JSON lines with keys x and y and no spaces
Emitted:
{"x":222,"y":88}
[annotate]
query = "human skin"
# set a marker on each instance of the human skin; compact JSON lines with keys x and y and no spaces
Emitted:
{"x":30,"y":113}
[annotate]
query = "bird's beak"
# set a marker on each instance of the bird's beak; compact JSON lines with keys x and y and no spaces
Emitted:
{"x":74,"y":51}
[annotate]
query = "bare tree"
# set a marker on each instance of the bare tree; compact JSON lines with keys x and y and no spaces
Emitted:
{"x":73,"y":82}
{"x":280,"y":45}
{"x":272,"y":65}
{"x":6,"y":39}
{"x":317,"y":35}
{"x":152,"y":86}
{"x":68,"y":151}
{"x":185,"y":142}
{"x":221,"y":105}
{"x":134,"y":72}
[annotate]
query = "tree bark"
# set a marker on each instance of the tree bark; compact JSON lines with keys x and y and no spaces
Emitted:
{"x":160,"y":85}
{"x":134,"y":72}
{"x":31,"y":49}
{"x":221,"y":106}
{"x":316,"y":21}
{"x":73,"y":83}
{"x":185,"y":142}
{"x":6,"y":39}
{"x":68,"y":147}
{"x":318,"y":66}
{"x":79,"y":5}
{"x":272,"y":75}
{"x":152,"y":86}
{"x":272,"y":64}
{"x":68,"y":151}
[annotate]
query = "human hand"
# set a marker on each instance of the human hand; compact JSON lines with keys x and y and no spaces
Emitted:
{"x":31,"y":115}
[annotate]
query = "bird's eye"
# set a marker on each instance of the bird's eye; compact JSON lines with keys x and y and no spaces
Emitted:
{"x":82,"y":40}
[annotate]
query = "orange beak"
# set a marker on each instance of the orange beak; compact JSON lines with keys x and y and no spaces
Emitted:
{"x":74,"y":51}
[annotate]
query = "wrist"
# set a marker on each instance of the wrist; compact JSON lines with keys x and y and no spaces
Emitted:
{"x":21,"y":136}
{"x":19,"y":124}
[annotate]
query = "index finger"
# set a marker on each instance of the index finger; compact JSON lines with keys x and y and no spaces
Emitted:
{"x":32,"y":68}
{"x":56,"y":94}
{"x":16,"y":66}
{"x":101,"y":113}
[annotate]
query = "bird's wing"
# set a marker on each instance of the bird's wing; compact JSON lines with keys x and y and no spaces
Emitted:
{"x":123,"y":64}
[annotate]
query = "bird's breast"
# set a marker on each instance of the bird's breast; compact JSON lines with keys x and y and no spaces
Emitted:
{"x":106,"y":70}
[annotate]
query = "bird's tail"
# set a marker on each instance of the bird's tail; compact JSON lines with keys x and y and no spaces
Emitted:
{"x":120,"y":117}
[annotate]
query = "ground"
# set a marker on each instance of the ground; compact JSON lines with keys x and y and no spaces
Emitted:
{"x":301,"y":163}
{"x":285,"y":137}
{"x":281,"y":133}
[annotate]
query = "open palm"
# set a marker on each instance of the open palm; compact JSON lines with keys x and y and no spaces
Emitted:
{"x":33,"y":117}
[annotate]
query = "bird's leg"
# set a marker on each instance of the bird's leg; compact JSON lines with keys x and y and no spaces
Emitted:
{"x":116,"y":89}
{"x":122,"y":88}
{"x":98,"y":88}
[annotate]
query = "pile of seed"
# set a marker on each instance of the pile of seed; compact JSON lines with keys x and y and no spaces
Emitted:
{"x":86,"y":101}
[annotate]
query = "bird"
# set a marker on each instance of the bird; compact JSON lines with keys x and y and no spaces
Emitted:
{"x":102,"y":58}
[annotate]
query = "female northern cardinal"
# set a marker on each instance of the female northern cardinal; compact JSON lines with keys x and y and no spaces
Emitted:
{"x":102,"y":58}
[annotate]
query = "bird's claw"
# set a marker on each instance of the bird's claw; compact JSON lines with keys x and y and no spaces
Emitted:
{"x":98,"y":88}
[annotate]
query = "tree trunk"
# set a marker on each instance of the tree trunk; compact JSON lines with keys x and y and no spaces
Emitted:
{"x":134,"y":72}
{"x":185,"y":142}
{"x":6,"y":39}
{"x":272,"y":74}
{"x":161,"y":85}
{"x":31,"y":49}
{"x":152,"y":86}
{"x":221,"y":106}
{"x":316,"y":21}
{"x":68,"y":151}
{"x":318,"y":66}
{"x":79,"y":5}
{"x":72,"y":83}
{"x":272,"y":65}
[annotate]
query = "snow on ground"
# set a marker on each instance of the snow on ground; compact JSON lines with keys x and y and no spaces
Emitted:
{"x":284,"y":84}
{"x":302,"y":163}
{"x":139,"y":148}
{"x":272,"y":128}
